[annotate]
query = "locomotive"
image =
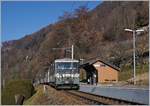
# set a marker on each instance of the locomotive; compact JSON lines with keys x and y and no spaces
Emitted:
{"x":64,"y":73}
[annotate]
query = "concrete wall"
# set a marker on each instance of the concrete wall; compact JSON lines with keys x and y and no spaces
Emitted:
{"x":106,"y":73}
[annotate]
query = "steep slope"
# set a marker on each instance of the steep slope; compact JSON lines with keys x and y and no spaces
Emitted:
{"x":112,"y":17}
{"x":94,"y":33}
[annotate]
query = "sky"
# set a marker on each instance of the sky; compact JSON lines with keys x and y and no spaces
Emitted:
{"x":20,"y":18}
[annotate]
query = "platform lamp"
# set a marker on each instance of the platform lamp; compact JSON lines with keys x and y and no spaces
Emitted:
{"x":134,"y":34}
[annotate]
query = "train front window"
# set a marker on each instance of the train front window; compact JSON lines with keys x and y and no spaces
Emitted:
{"x":66,"y":65}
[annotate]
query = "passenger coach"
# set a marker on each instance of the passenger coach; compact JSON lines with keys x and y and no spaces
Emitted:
{"x":64,"y":73}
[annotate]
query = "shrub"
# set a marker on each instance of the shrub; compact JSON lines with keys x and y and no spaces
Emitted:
{"x":22,"y":87}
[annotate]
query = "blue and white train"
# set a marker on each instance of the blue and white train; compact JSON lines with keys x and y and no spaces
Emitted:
{"x":63,"y":73}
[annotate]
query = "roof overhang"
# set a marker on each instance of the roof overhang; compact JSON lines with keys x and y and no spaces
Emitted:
{"x":90,"y":63}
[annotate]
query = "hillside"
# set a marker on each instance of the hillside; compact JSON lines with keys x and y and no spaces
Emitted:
{"x":97,"y":33}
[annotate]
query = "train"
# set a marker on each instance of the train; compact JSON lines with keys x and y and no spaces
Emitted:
{"x":63,"y":74}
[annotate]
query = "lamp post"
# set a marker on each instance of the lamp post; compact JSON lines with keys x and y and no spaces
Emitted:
{"x":134,"y":34}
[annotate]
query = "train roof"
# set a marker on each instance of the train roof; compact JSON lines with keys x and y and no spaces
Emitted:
{"x":66,"y":60}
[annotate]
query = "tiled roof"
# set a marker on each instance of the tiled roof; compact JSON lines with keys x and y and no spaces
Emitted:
{"x":91,"y":62}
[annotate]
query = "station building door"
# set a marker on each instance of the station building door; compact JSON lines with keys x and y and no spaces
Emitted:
{"x":91,"y":74}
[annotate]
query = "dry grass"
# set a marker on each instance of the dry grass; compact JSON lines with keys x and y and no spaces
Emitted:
{"x":14,"y":87}
{"x":142,"y":79}
{"x":52,"y":97}
{"x":127,"y":72}
{"x":37,"y":98}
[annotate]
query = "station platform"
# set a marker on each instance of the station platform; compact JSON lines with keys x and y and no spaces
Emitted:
{"x":134,"y":94}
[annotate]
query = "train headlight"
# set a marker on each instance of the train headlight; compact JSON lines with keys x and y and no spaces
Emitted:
{"x":63,"y":75}
{"x":72,"y":75}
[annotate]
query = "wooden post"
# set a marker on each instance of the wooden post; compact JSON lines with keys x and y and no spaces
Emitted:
{"x":44,"y":89}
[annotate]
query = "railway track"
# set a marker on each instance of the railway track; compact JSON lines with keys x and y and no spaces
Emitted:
{"x":99,"y":100}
